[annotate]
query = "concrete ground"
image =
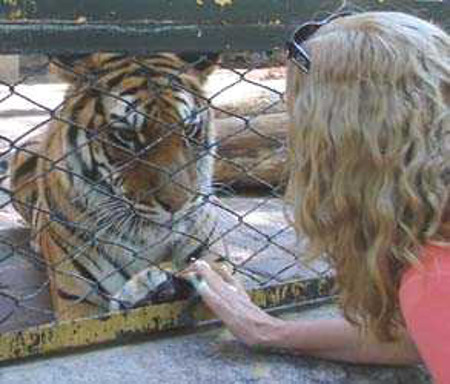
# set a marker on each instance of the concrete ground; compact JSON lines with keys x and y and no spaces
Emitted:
{"x":204,"y":356}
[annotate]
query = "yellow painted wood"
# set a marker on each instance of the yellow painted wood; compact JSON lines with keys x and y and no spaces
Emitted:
{"x":121,"y":326}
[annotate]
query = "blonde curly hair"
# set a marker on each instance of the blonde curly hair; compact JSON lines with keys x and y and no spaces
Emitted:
{"x":369,"y":146}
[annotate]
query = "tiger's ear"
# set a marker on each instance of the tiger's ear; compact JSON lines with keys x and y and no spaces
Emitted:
{"x":73,"y":67}
{"x":201,"y":64}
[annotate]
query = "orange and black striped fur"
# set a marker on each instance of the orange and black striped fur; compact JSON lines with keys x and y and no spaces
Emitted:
{"x":117,"y":183}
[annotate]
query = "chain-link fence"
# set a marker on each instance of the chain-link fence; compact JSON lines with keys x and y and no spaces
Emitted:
{"x":119,"y":169}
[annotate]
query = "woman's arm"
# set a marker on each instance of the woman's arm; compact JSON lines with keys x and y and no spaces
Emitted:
{"x":337,"y":339}
{"x":334,"y":339}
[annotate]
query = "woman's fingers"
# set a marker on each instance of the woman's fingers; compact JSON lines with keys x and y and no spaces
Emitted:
{"x":218,"y":295}
{"x":202,"y":271}
{"x":219,"y":280}
{"x":226,"y":275}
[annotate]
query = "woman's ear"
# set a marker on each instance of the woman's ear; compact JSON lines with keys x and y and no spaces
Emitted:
{"x":201,"y":64}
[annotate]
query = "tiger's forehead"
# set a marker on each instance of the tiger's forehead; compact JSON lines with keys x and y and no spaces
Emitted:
{"x":135,"y":110}
{"x":161,"y":70}
{"x":135,"y":92}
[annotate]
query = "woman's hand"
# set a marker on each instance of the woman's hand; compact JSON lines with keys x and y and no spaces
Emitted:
{"x":229,"y":301}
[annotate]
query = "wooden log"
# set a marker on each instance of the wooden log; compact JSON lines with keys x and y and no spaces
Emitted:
{"x":231,"y":92}
{"x":247,"y":93}
{"x":251,"y":151}
{"x":252,"y":154}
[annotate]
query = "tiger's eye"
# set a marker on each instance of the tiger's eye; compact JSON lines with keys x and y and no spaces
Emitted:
{"x":192,"y":131}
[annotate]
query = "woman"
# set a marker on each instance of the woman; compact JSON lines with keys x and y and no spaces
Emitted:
{"x":369,"y":98}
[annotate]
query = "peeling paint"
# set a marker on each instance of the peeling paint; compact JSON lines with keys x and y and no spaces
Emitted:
{"x":220,"y":3}
{"x":17,"y":9}
{"x":11,"y":9}
{"x":51,"y":338}
{"x":223,"y":3}
{"x":9,"y":2}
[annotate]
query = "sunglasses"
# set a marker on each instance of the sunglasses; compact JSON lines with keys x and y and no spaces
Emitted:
{"x":296,"y":53}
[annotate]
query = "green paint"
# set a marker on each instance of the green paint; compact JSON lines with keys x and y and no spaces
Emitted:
{"x":16,"y":9}
{"x":162,"y":25}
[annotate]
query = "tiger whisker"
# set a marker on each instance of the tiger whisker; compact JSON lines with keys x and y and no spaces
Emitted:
{"x":144,"y":119}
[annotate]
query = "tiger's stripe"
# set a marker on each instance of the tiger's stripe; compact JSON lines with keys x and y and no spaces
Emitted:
{"x":117,"y":183}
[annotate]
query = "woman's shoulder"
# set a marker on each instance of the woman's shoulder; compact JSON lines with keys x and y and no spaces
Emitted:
{"x":433,"y":257}
{"x":424,"y":298}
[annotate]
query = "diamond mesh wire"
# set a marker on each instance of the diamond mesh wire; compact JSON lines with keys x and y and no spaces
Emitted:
{"x":118,"y":172}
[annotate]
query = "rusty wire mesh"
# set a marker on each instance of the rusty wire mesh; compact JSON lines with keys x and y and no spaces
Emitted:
{"x":155,"y":200}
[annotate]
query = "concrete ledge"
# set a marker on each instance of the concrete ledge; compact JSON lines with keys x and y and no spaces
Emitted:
{"x":211,"y":356}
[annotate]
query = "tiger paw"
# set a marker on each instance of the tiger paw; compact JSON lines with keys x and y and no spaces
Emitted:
{"x":150,"y":286}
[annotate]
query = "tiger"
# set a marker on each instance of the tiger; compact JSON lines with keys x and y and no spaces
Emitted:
{"x":120,"y":181}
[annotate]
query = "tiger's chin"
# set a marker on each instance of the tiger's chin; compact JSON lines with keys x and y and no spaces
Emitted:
{"x":169,"y":241}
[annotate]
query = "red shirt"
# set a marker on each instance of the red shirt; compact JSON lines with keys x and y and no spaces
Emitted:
{"x":425,"y":305}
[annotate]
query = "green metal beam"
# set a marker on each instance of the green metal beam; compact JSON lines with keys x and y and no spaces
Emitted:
{"x":195,"y":11}
{"x":136,"y":38}
{"x":156,"y":25}
{"x":180,"y":11}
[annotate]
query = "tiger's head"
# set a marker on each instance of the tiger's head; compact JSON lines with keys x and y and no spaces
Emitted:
{"x":142,"y":126}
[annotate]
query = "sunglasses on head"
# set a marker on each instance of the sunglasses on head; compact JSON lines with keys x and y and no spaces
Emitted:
{"x":296,"y":53}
